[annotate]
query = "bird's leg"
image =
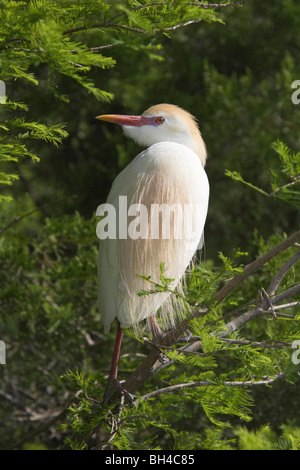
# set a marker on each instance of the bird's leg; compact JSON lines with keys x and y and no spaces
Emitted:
{"x":113,"y":382}
{"x":157,"y":333}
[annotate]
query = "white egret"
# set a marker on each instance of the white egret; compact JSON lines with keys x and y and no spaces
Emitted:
{"x":160,"y":201}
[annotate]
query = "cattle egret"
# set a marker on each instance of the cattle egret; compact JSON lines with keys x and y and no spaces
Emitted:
{"x":159,"y":204}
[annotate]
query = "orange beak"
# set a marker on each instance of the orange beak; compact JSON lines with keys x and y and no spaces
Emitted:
{"x":124,"y":120}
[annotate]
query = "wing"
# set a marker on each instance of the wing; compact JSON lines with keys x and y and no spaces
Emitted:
{"x":166,"y":193}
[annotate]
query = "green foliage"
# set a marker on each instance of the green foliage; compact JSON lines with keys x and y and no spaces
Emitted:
{"x":214,"y":384}
{"x":53,"y":35}
{"x":266,"y":439}
{"x":37,"y":32}
{"x":58,"y":59}
{"x":13,"y":132}
{"x":34,"y":33}
{"x":290,"y":171}
{"x":163,"y":287}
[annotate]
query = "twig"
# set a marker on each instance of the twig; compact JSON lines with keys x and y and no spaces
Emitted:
{"x":295,"y":180}
{"x":115,"y":423}
{"x":265,"y":295}
{"x":269,"y":343}
{"x":288,"y":305}
{"x":235,"y":324}
{"x":251,"y":268}
{"x":150,"y":365}
{"x":111,"y":24}
{"x":206,"y":383}
{"x":287,"y":293}
{"x":27,"y":214}
{"x":179,"y":25}
{"x":216,"y":5}
{"x":106,"y":46}
{"x":18,"y":219}
{"x":282,"y":272}
{"x":261,"y":308}
{"x":42,"y":428}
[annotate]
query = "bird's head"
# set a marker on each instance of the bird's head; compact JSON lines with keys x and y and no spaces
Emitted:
{"x":162,"y":123}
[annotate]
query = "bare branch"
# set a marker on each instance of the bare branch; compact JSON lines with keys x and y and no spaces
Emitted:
{"x":296,"y":179}
{"x":17,"y":219}
{"x":262,"y":308}
{"x":272,"y":287}
{"x":106,"y":46}
{"x":151,"y":364}
{"x":263,"y":294}
{"x":270,"y":343}
{"x":282,"y":272}
{"x":179,"y":25}
{"x":207,"y":6}
{"x":286,"y":294}
{"x":288,"y":305}
{"x":206,"y":383}
{"x":253,"y":267}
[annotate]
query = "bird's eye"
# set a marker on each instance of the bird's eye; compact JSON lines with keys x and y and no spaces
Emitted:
{"x":159,"y":120}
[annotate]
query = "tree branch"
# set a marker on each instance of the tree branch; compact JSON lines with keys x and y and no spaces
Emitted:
{"x":111,"y":24}
{"x":18,"y":219}
{"x":45,"y":426}
{"x":282,"y":272}
{"x":253,"y":267}
{"x":269,"y":343}
{"x":206,"y":383}
{"x":151,"y":364}
{"x":207,"y":6}
{"x":262,"y":308}
{"x":296,"y":180}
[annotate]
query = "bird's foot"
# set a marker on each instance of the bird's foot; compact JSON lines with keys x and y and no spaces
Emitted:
{"x":114,"y":385}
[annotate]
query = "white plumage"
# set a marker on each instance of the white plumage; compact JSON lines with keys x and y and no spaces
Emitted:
{"x":170,"y":171}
